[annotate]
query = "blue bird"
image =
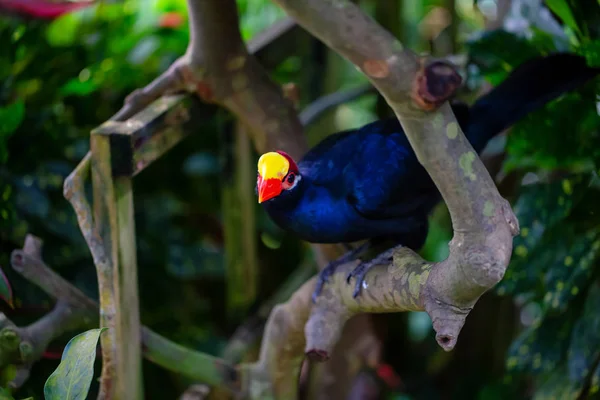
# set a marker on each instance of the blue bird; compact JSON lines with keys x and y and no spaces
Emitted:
{"x":367,"y":184}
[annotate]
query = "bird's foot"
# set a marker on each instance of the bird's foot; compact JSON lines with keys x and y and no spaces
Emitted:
{"x":328,"y":271}
{"x":323,"y":278}
{"x":360,"y":272}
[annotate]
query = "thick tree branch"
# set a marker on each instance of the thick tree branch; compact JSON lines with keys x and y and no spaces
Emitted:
{"x":221,"y":69}
{"x":237,"y":80}
{"x":483,"y":222}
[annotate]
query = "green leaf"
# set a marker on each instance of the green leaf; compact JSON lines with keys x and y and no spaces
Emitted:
{"x":540,"y":348}
{"x":5,"y":394}
{"x":62,"y":32}
{"x":563,"y":134}
{"x":591,"y":52}
{"x":584,"y":349}
{"x":78,"y":88}
{"x":498,"y":52}
{"x":562,"y":9}
{"x":557,"y":385}
{"x":72,"y":379}
{"x":571,"y":266}
{"x":538,"y":208}
{"x":6,"y":292}
{"x":11,"y":117}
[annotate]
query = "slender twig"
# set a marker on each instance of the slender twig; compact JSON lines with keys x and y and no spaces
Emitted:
{"x":23,"y":346}
{"x":315,"y":109}
{"x":74,"y":310}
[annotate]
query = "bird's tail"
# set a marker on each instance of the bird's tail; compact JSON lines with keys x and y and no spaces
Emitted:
{"x":527,"y":88}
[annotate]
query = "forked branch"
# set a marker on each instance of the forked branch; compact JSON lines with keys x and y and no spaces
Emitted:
{"x":483,"y":222}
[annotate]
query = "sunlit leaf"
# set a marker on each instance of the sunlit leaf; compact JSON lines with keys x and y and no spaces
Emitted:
{"x":11,"y":117}
{"x":62,"y":32}
{"x":76,"y":87}
{"x":72,"y":379}
{"x":6,"y":293}
{"x":563,"y":10}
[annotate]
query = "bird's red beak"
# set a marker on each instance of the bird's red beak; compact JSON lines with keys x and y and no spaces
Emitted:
{"x":268,"y":188}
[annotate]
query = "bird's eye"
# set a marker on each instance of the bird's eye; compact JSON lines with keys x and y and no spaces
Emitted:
{"x":288,"y":181}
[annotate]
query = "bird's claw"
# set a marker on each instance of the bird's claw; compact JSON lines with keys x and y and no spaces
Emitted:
{"x":326,"y":272}
{"x":360,"y":272}
{"x":323,"y":278}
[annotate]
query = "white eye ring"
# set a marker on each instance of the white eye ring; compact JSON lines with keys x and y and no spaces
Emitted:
{"x":297,"y":178}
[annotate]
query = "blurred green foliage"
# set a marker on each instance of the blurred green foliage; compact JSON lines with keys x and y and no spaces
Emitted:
{"x":553,"y":274}
{"x":60,"y":79}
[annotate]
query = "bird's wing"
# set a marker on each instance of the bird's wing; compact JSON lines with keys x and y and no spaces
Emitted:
{"x":386,"y":179}
{"x":374,"y":168}
{"x":324,"y":164}
{"x":327,"y":162}
{"x":389,"y":181}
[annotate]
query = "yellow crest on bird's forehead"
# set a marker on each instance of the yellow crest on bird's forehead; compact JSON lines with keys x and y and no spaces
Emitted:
{"x":273,"y":165}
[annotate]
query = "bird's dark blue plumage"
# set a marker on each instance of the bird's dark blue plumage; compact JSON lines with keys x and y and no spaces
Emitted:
{"x":368,"y":184}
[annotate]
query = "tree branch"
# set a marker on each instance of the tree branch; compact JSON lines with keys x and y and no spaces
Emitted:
{"x":416,"y":89}
{"x":219,"y":68}
{"x":315,"y":109}
{"x":483,"y":221}
{"x":24,"y":346}
{"x":74,"y":310}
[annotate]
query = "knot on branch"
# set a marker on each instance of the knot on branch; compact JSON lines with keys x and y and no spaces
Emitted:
{"x":435,"y":83}
{"x":485,"y":265}
{"x":376,"y":68}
